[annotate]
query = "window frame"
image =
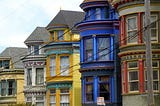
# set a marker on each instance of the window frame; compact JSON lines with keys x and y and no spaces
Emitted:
{"x":52,"y":66}
{"x":92,"y":92}
{"x":98,"y":15}
{"x":88,"y":53}
{"x":65,"y":94}
{"x":54,"y":95}
{"x":132,"y":30}
{"x":133,"y":69}
{"x":65,"y":71}
{"x":39,"y":76}
{"x":29,"y":77}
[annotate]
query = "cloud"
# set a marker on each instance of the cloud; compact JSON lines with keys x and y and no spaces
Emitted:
{"x":20,"y":17}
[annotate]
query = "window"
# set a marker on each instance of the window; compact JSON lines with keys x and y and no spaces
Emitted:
{"x":29,"y":76}
{"x":133,"y":76}
{"x":88,"y":50}
{"x":64,"y":97}
{"x":36,"y":49}
{"x":52,"y":66}
{"x":28,"y":101}
{"x":40,"y":101}
{"x":60,"y":35}
{"x":52,"y":34}
{"x":98,"y":14}
{"x":3,"y":89}
{"x":29,"y":49}
{"x":132,"y":30}
{"x":88,"y":15}
{"x":64,"y":65}
{"x":103,"y":49}
{"x":106,"y":12}
{"x":89,"y":89}
{"x":39,"y":76}
{"x":11,"y":87}
{"x":52,"y":97}
{"x":8,"y":87}
{"x":104,"y":88}
{"x":154,"y":28}
{"x":4,"y":64}
{"x":155,"y":65}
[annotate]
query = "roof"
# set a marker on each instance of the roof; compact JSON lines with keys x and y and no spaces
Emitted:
{"x":66,"y":18}
{"x":15,"y":53}
{"x":85,"y":1}
{"x":40,"y":34}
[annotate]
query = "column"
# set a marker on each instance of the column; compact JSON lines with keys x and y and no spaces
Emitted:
{"x":95,"y":88}
{"x":33,"y":76}
{"x":139,"y":28}
{"x":112,"y":89}
{"x":141,"y":76}
{"x":81,"y":50}
{"x":94,"y":48}
{"x":83,"y":89}
{"x":111,"y":48}
{"x":125,"y":78}
{"x":123,"y":35}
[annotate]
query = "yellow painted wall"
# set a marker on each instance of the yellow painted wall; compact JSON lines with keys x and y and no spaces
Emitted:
{"x":76,"y":81}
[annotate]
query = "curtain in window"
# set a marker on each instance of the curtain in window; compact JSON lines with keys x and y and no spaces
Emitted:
{"x":64,"y":65}
{"x":98,"y":14}
{"x":3,"y":89}
{"x":39,"y":76}
{"x":29,"y":77}
{"x":103,"y":49}
{"x":64,"y":97}
{"x":52,"y":66}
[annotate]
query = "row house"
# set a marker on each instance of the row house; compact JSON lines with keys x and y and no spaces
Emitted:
{"x":63,"y":83}
{"x":132,"y":51}
{"x":35,"y":67}
{"x":99,"y":67}
{"x":11,"y":76}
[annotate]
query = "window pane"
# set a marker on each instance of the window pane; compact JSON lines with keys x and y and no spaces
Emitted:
{"x":89,"y":79}
{"x":104,"y":91}
{"x":153,"y":34}
{"x":3,"y":90}
{"x":64,"y":65}
{"x":39,"y":104}
{"x":132,"y":36}
{"x":132,"y":64}
{"x":60,"y":35}
{"x":88,"y":46}
{"x":52,"y":66}
{"x":103,"y":49}
{"x":133,"y":75}
{"x":132,"y":24}
{"x":39,"y":76}
{"x":52,"y":97}
{"x":134,"y":86}
{"x":89,"y":92}
{"x":64,"y":97}
{"x":155,"y":85}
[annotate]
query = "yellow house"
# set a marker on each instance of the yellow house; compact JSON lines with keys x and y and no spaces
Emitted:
{"x":62,"y":72}
{"x":11,"y":76}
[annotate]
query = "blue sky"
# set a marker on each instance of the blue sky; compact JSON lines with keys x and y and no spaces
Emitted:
{"x":18,"y":18}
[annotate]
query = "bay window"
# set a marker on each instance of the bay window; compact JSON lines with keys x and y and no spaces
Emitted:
{"x":52,"y":97}
{"x":39,"y":76}
{"x":52,"y":66}
{"x":4,"y":64}
{"x":64,"y":65}
{"x":64,"y":97}
{"x":89,"y":89}
{"x":103,"y":49}
{"x":132,"y":30}
{"x":88,"y":49}
{"x":133,"y":76}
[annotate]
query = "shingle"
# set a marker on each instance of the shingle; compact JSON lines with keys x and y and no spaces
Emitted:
{"x":66,"y":18}
{"x":15,"y":53}
{"x":39,"y":34}
{"x":85,"y":1}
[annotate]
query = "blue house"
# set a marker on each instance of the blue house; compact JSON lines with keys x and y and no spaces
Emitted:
{"x":100,"y":69}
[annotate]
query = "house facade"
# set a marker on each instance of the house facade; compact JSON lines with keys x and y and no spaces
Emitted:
{"x":63,"y":83}
{"x":11,"y":76}
{"x":132,"y":51}
{"x":100,"y":72}
{"x":35,"y":67}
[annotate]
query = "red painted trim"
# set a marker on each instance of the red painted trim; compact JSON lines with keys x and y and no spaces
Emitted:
{"x":120,"y":33}
{"x":123,"y":30}
{"x":139,"y":28}
{"x":141,"y":76}
{"x":125,"y":78}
